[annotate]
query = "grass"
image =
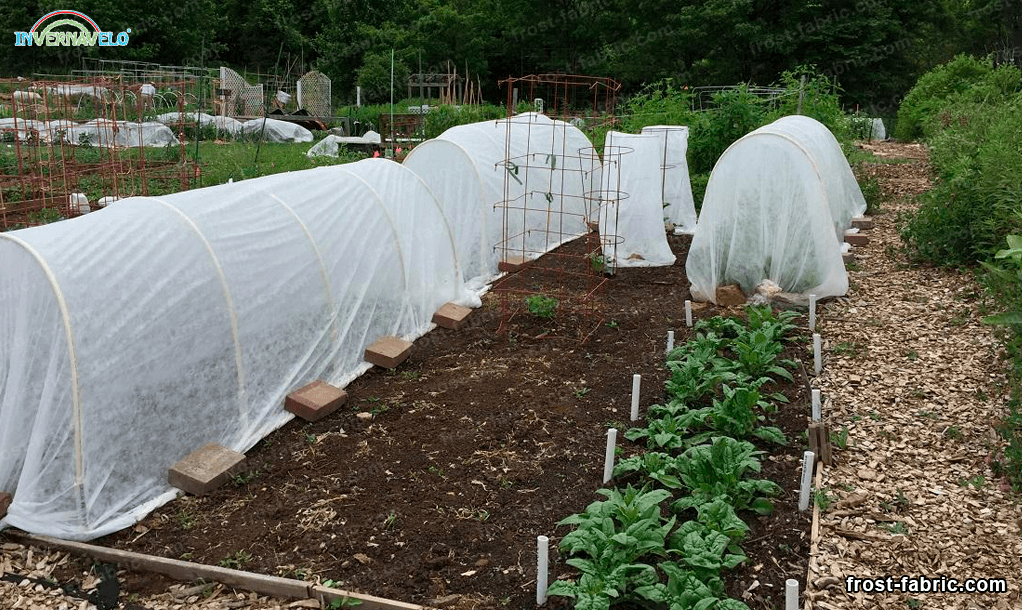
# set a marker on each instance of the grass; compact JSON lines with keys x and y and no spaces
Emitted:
{"x":236,"y":160}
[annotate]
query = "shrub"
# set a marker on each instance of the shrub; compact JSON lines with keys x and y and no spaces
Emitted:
{"x":932,"y":89}
{"x":442,"y":118}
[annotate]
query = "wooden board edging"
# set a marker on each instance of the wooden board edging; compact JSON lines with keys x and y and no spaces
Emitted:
{"x":273,"y":586}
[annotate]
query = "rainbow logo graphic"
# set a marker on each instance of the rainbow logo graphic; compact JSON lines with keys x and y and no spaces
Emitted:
{"x":66,"y":28}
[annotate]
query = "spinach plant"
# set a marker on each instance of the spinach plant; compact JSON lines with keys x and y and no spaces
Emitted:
{"x":719,"y":469}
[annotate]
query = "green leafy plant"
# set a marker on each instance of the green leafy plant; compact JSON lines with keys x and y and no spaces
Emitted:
{"x":657,"y":466}
{"x":684,"y":590}
{"x":757,"y":355}
{"x":542,"y":306}
{"x":735,"y":416}
{"x":720,"y":469}
{"x":703,"y":550}
{"x":667,"y":432}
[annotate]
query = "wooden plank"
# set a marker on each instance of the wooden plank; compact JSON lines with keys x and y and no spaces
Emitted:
{"x":187,"y":571}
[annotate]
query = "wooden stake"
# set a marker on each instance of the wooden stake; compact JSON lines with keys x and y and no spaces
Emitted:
{"x":819,"y":441}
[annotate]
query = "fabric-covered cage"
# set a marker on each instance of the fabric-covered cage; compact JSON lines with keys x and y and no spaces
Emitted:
{"x":767,"y":215}
{"x":679,"y":206}
{"x":549,"y":167}
{"x":133,"y":335}
{"x":632,"y":216}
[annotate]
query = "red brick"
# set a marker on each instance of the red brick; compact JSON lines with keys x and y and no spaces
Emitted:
{"x":5,"y":503}
{"x":451,"y":316}
{"x":856,"y":239}
{"x":205,"y":469}
{"x":315,"y":401}
{"x":863,"y":223}
{"x":730,"y":295}
{"x":511,"y":264}
{"x":388,"y":352}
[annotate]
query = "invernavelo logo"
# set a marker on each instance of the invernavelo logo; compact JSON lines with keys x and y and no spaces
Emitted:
{"x":69,"y":29}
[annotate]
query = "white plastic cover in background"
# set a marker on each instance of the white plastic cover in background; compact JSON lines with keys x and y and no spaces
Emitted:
{"x":843,"y":194}
{"x":131,"y":336}
{"x":549,"y":172}
{"x":767,"y":216}
{"x":877,"y":130}
{"x":225,"y":124}
{"x":677,"y":189}
{"x":276,"y":131}
{"x":632,"y":224}
{"x":330,"y":145}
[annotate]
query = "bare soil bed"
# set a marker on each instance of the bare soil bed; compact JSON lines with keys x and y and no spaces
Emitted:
{"x":474,"y":446}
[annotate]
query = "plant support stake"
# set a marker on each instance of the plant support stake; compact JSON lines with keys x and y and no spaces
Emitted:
{"x":636,"y":382}
{"x":608,"y":463}
{"x":812,"y":312}
{"x":670,"y":341}
{"x":817,"y":415}
{"x":817,"y":353}
{"x":807,"y":480}
{"x":688,"y":313}
{"x":791,"y":594}
{"x":542,"y":569}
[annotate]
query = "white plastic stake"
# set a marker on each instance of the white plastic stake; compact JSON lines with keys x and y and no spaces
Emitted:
{"x":812,"y":312}
{"x":608,"y":463}
{"x":670,"y":341}
{"x":636,"y":382}
{"x":817,"y":414}
{"x":542,"y":568}
{"x":688,"y":313}
{"x":791,"y":594}
{"x":817,"y":353}
{"x":807,"y":480}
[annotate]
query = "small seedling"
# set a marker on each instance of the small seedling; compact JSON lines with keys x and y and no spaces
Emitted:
{"x":874,"y":416}
{"x":840,"y":439}
{"x":612,"y":324}
{"x":953,"y":434}
{"x":244,"y":478}
{"x":977,"y":481}
{"x":344,"y":602}
{"x":310,"y":438}
{"x":822,"y":499}
{"x":898,"y":527}
{"x":185,"y":519}
{"x":914,"y":603}
{"x":235,"y":560}
{"x":390,"y":520}
{"x":542,"y":306}
{"x":581,"y":392}
{"x":912,"y":355}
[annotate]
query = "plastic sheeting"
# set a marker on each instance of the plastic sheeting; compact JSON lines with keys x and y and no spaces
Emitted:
{"x":131,"y":336}
{"x":877,"y":130}
{"x":632,"y":215}
{"x":676,"y":187}
{"x":767,"y":216}
{"x":108,"y":134}
{"x":276,"y":131}
{"x":549,"y":168}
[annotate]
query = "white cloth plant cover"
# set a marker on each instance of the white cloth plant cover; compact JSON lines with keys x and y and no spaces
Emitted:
{"x":145,"y":134}
{"x":631,"y":217}
{"x":330,"y":145}
{"x":877,"y":130}
{"x":426,"y":238}
{"x":676,"y":186}
{"x":92,"y":134}
{"x":843,"y":193}
{"x":54,"y":130}
{"x":225,"y":124}
{"x":548,"y":175}
{"x":276,"y":131}
{"x":766,"y":216}
{"x":467,"y":201}
{"x":131,"y":336}
{"x":22,"y":129}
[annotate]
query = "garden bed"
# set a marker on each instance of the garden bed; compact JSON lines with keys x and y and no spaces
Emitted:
{"x":439,"y":476}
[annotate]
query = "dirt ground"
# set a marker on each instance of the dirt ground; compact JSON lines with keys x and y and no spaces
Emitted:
{"x":437,"y":477}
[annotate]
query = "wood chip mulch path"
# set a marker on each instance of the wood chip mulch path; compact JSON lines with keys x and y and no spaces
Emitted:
{"x":918,"y":381}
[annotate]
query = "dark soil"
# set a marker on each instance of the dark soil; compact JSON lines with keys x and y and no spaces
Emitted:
{"x":477,"y":444}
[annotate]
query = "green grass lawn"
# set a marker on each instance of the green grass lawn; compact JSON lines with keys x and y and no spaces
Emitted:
{"x":237,"y":160}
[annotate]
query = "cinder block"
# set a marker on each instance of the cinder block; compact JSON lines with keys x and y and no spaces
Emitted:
{"x":5,"y":503}
{"x":511,"y":264}
{"x":315,"y":401}
{"x":388,"y":352}
{"x":863,"y":223}
{"x":451,"y":316}
{"x":205,"y":469}
{"x":856,"y":239}
{"x":847,"y":257}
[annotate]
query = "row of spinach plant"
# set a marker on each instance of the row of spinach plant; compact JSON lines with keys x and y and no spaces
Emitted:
{"x":696,"y":459}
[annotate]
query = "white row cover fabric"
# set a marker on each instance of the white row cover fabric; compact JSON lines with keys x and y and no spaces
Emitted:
{"x":679,"y":206}
{"x":877,"y":130}
{"x":133,"y":335}
{"x":767,"y":216}
{"x":109,"y":134}
{"x":228,"y":125}
{"x":632,"y":214}
{"x":276,"y":131}
{"x":330,"y":145}
{"x":549,"y":167}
